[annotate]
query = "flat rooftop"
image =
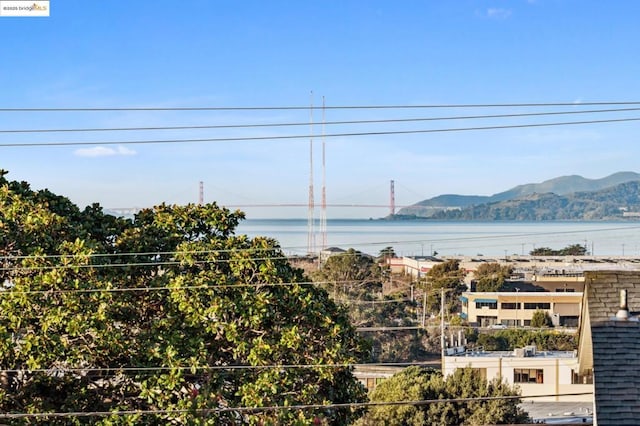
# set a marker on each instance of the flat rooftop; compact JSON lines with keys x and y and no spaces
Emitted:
{"x":511,"y":354}
{"x":559,"y":412}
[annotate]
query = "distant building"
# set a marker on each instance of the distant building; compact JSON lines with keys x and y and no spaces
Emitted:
{"x":419,"y":266}
{"x":486,"y":309}
{"x":371,"y":376}
{"x":330,"y":251}
{"x":536,"y":373}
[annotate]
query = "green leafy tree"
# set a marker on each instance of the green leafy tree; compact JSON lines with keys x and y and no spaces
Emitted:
{"x":542,"y":251}
{"x":448,"y":276}
{"x":386,"y":254}
{"x":353,"y":279}
{"x":351,"y":274}
{"x":508,"y":340}
{"x":420,"y":384}
{"x":540,"y":319}
{"x":491,"y":276}
{"x":574,"y":250}
{"x":570,"y":250}
{"x":158,"y":318}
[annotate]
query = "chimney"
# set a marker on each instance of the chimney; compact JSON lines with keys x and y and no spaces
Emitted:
{"x":623,"y":312}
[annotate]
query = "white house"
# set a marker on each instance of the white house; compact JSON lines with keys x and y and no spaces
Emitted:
{"x":534,"y":372}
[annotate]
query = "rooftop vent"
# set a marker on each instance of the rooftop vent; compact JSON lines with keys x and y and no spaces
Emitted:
{"x":623,"y":313}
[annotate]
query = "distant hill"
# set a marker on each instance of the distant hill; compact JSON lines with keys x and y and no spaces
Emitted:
{"x":606,"y":204}
{"x":559,"y":186}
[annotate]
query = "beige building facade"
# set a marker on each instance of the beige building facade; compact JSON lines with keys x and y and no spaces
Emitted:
{"x":487,"y":309}
{"x":547,"y":376}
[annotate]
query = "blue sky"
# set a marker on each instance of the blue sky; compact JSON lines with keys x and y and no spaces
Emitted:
{"x":275,"y":53}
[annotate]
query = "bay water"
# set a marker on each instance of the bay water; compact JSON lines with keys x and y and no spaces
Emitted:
{"x":425,"y":237}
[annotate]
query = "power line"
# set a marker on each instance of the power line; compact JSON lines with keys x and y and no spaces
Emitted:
{"x":307,"y":107}
{"x":329,"y":135}
{"x":7,"y":291}
{"x":10,"y":291}
{"x":115,"y":370}
{"x":275,"y":408}
{"x":292,"y":124}
{"x":283,"y":257}
{"x":164,"y":288}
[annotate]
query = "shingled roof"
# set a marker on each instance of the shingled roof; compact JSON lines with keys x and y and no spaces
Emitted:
{"x":611,"y":346}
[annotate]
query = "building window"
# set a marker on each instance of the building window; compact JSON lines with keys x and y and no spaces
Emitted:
{"x":538,"y":305}
{"x":490,"y":305}
{"x":509,"y":305}
{"x":569,"y":321}
{"x":582,"y":379}
{"x":528,"y":375}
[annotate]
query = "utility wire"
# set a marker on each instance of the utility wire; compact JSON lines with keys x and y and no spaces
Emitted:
{"x":10,"y":291}
{"x":381,"y":121}
{"x":328,"y":135}
{"x":307,"y":107}
{"x":276,"y":408}
{"x":356,"y":253}
{"x":114,"y":371}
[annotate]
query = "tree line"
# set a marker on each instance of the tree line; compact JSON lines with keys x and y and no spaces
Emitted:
{"x":174,"y":317}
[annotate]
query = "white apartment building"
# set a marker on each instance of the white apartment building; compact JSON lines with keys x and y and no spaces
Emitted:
{"x":516,"y":308}
{"x":534,"y":372}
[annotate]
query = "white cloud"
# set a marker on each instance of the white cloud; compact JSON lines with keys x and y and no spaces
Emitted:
{"x":102,"y":151}
{"x":496,"y":13}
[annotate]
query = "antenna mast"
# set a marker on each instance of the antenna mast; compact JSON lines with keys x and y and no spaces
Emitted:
{"x":311,"y":234}
{"x":323,"y":212}
{"x":201,"y":193}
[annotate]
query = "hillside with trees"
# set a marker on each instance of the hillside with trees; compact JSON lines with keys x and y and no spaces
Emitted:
{"x":607,"y":204}
{"x":534,"y":201}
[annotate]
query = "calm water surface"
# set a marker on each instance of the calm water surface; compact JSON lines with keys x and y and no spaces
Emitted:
{"x":452,"y":238}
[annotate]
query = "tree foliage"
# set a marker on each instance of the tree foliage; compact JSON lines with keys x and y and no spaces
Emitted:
{"x":420,"y":384}
{"x":448,"y":276}
{"x":354,"y":280}
{"x":570,"y":250}
{"x":491,"y":276}
{"x":508,"y":340}
{"x":351,"y":278}
{"x":540,"y":319}
{"x":386,"y":254}
{"x":104,"y":314}
{"x":351,"y":274}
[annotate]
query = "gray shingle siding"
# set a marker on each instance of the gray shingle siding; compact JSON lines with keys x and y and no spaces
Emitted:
{"x":616,"y":347}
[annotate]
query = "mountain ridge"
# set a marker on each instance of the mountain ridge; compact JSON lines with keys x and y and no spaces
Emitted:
{"x":560,"y":186}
